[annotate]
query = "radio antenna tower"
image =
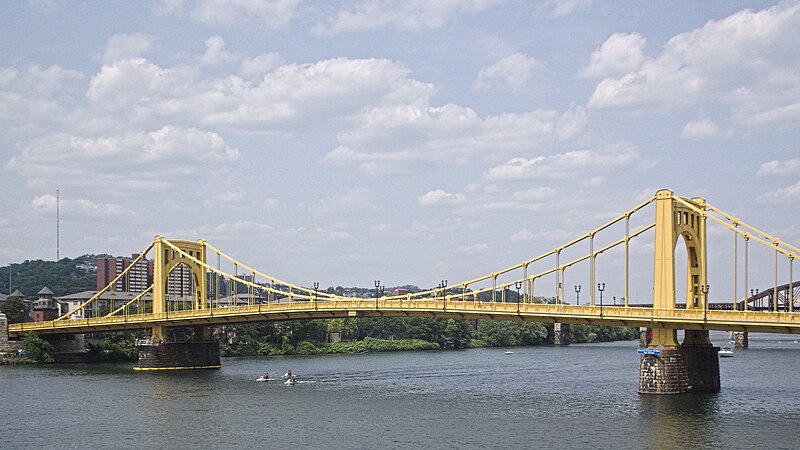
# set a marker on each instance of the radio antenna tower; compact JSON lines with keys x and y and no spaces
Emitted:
{"x":58,"y":227}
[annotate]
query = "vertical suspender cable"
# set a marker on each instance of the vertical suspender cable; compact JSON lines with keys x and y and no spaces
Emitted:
{"x":591,"y":268}
{"x":735,"y":267}
{"x":746,"y":268}
{"x":627,"y":255}
{"x":775,"y":280}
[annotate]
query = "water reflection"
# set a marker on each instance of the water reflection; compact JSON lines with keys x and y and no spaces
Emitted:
{"x":686,"y":418}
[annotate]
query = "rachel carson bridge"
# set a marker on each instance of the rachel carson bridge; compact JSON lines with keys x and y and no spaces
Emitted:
{"x":507,"y":294}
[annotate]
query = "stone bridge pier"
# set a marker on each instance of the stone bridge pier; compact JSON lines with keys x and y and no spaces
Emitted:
{"x":692,"y":366}
{"x":167,"y":350}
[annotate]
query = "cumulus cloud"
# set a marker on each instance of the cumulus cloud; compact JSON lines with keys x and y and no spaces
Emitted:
{"x":621,"y":53}
{"x":569,"y":164}
{"x":514,"y":71}
{"x":273,"y":14}
{"x":409,"y":15}
{"x":216,"y":54}
{"x":125,"y":46}
{"x":775,"y":167}
{"x":787,"y":195}
{"x":145,"y":161}
{"x":261,"y":64}
{"x":749,"y":61}
{"x":440,"y":197}
{"x":700,"y":129}
{"x":289,"y":93}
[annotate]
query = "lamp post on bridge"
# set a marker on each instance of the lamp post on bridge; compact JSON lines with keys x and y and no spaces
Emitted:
{"x":316,"y":286}
{"x":443,"y":285}
{"x":752,"y":297}
{"x":577,"y":295}
{"x":377,"y":293}
{"x":601,"y":287}
{"x":704,"y":290}
{"x":518,"y":285}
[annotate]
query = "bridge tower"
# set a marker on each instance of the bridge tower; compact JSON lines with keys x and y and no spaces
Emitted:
{"x":161,"y":352}
{"x":693,"y":365}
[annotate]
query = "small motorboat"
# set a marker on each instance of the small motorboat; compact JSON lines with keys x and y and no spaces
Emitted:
{"x":725,"y":352}
{"x":264,"y":377}
{"x":290,"y":381}
{"x":509,"y":352}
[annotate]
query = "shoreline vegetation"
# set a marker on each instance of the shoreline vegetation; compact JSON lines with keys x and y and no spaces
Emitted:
{"x":362,"y":335}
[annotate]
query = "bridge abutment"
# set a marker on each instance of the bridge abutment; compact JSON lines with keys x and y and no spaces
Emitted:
{"x":561,"y":334}
{"x":161,"y":354}
{"x":692,"y":366}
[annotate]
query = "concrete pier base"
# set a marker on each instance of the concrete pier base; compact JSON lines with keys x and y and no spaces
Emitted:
{"x":561,"y":334}
{"x":680,"y":370}
{"x":166,"y":355}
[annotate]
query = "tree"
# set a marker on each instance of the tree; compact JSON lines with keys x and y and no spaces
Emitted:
{"x":14,"y":309}
{"x":37,"y":349}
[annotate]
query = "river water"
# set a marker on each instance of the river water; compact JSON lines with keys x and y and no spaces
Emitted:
{"x":581,"y":396}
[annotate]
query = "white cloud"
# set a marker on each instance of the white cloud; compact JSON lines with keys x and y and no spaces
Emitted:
{"x":290,"y":93}
{"x":261,"y":64}
{"x":137,"y":161}
{"x":621,"y":53}
{"x":409,"y":15}
{"x":126,"y":46}
{"x":216,"y":54}
{"x":700,"y":129}
{"x":224,"y":13}
{"x":569,"y":164}
{"x":389,"y":138}
{"x":440,"y":197}
{"x":76,"y":208}
{"x":271,"y":203}
{"x":787,"y":195}
{"x":514,"y":71}
{"x":749,"y":61}
{"x":775,"y":167}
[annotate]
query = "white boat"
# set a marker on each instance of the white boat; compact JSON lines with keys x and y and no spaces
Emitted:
{"x":264,"y":377}
{"x":290,"y":381}
{"x":509,"y":352}
{"x":725,"y":352}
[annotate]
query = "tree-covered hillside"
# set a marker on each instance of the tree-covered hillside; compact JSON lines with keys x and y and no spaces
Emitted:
{"x":63,"y":277}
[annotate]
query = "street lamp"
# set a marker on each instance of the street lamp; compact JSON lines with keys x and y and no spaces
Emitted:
{"x":704,"y":291}
{"x":316,"y":286}
{"x":518,"y":285}
{"x":753,"y":297}
{"x":577,"y":294}
{"x":377,"y":293}
{"x":601,"y":287}
{"x":443,"y":285}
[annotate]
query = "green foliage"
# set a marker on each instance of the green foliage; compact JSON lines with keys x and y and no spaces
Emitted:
{"x":14,"y":309}
{"x":37,"y":349}
{"x":62,"y":277}
{"x":115,"y":346}
{"x":378,"y":345}
{"x":594,"y":333}
{"x":499,"y":333}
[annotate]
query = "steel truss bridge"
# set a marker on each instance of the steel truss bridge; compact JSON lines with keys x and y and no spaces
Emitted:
{"x":507,"y":294}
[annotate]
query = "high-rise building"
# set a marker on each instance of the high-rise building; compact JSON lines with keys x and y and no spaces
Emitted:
{"x":179,"y":282}
{"x":139,"y":278}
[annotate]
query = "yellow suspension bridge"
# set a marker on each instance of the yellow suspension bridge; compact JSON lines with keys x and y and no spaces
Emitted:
{"x":668,"y":217}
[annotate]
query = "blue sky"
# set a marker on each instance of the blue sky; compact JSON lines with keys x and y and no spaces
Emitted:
{"x":407,"y":141}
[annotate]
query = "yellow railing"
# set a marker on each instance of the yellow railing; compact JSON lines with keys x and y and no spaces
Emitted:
{"x":453,"y":306}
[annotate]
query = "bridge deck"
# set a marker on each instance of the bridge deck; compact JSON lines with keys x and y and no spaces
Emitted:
{"x":690,"y":319}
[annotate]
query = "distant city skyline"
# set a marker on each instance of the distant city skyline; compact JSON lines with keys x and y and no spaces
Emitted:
{"x":406,"y":141}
